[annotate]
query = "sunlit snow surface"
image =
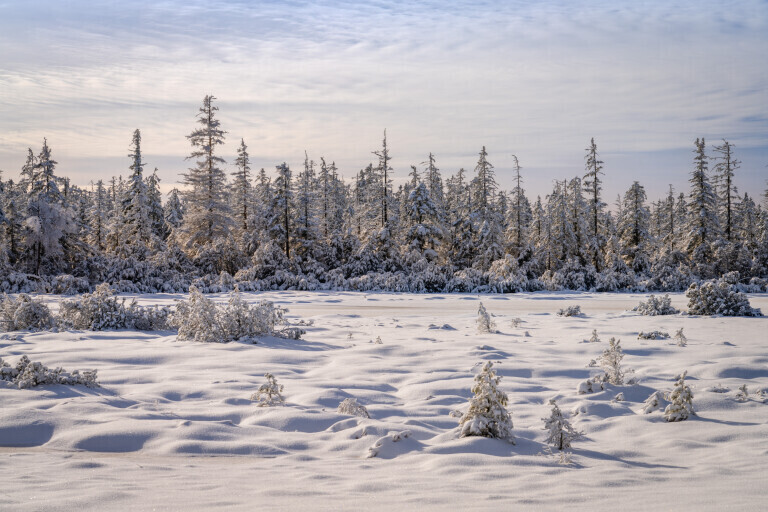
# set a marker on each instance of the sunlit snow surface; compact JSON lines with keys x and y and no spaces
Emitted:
{"x":172,"y":427}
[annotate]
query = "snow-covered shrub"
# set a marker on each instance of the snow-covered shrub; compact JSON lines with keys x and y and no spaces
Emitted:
{"x":681,"y":401}
{"x":19,"y":282}
{"x":718,"y":297}
{"x":504,"y":276}
{"x":487,"y":415}
{"x":591,"y":385}
{"x":351,"y":407}
{"x":24,"y":313}
{"x":27,"y":374}
{"x":610,"y":361}
{"x":269,"y":393}
{"x":653,"y":335}
{"x":594,"y":338}
{"x":560,"y":432}
{"x":656,"y":306}
{"x":484,"y":322}
{"x":742,"y":395}
{"x":66,"y":284}
{"x":653,"y":402}
{"x":618,"y":398}
{"x":570,"y":311}
{"x":197,"y":319}
{"x":680,"y":337}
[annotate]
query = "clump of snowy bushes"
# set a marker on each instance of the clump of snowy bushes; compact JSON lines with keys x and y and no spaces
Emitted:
{"x":718,"y":297}
{"x":101,"y":310}
{"x":570,"y":311}
{"x":200,"y":319}
{"x":24,"y":313}
{"x":656,"y":306}
{"x":27,"y":374}
{"x":653,"y":335}
{"x":487,"y":415}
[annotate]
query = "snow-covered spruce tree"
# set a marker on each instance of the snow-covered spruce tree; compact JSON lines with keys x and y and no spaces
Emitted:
{"x":241,"y":188}
{"x":633,"y":229}
{"x":519,"y":215}
{"x":305,"y":194}
{"x":487,"y":415}
{"x":208,"y":215}
{"x":24,"y":313}
{"x":281,"y":229}
{"x":48,"y":220}
{"x":560,"y":432}
{"x":653,"y":402}
{"x":610,"y":361}
{"x":718,"y":297}
{"x":460,"y":221}
{"x":98,"y":217}
{"x":484,"y":322}
{"x":681,"y":401}
{"x":173,"y":211}
{"x":703,"y":227}
{"x":14,"y":208}
{"x":155,"y":209}
{"x":137,"y":229}
{"x":724,"y":171}
{"x":269,"y":393}
{"x":423,"y":234}
{"x":593,"y":188}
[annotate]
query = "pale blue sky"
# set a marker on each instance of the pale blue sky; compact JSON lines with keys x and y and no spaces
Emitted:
{"x":536,"y":79}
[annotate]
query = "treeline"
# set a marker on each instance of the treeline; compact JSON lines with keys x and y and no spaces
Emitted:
{"x":309,"y":229}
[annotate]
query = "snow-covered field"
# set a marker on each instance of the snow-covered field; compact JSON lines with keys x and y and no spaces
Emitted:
{"x":172,"y":427}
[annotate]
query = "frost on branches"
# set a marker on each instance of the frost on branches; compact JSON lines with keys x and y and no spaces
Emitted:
{"x":560,"y":432}
{"x":269,"y":393}
{"x":484,"y":322}
{"x":24,"y":314}
{"x":718,"y":297}
{"x":487,"y":415}
{"x":656,"y":306}
{"x":101,"y":310}
{"x":570,"y":311}
{"x":681,"y":401}
{"x":27,"y":374}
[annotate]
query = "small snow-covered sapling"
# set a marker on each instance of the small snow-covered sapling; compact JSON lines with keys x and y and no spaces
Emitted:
{"x":594,"y":338}
{"x":653,"y":402}
{"x":610,"y":361}
{"x":269,"y":393}
{"x":484,"y":322}
{"x":560,"y":432}
{"x":742,"y":395}
{"x":681,"y":401}
{"x":487,"y":415}
{"x":680,"y":337}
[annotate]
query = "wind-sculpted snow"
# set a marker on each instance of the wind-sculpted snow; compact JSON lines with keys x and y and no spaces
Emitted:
{"x":173,"y":426}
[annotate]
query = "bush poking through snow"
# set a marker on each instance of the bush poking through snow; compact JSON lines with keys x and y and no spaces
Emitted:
{"x":560,"y":432}
{"x":656,"y":306}
{"x":269,"y":393}
{"x":24,"y":314}
{"x":570,"y":311}
{"x":718,"y":297}
{"x":680,"y":337}
{"x":681,"y":401}
{"x":200,"y":319}
{"x":487,"y":415}
{"x":594,"y":338}
{"x":27,"y":374}
{"x":742,"y":395}
{"x":484,"y":322}
{"x":101,"y":311}
{"x":351,"y":407}
{"x":653,"y":335}
{"x":610,"y":361}
{"x":592,"y":385}
{"x":653,"y":402}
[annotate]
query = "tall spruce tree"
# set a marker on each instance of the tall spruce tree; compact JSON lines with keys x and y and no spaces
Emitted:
{"x":703,"y":226}
{"x":724,"y":171}
{"x":593,"y":187}
{"x":208,"y":215}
